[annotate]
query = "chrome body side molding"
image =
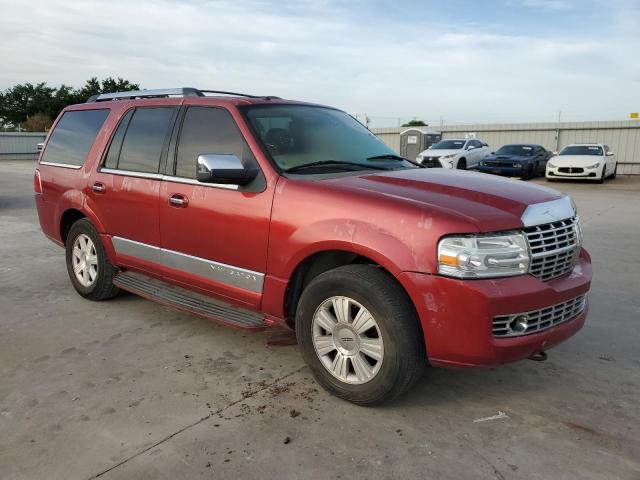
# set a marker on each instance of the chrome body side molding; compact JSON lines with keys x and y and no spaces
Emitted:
{"x":216,"y":271}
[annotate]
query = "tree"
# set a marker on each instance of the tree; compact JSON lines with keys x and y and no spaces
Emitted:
{"x":26,"y":100}
{"x":37,"y":123}
{"x":415,"y":123}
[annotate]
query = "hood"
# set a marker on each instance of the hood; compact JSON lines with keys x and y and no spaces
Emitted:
{"x":575,"y":160}
{"x":440,"y":153}
{"x":508,"y":158}
{"x":489,"y":203}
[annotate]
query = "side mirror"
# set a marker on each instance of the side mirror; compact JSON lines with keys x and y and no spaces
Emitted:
{"x":40,"y":146}
{"x":493,"y":153}
{"x":554,"y":153}
{"x":226,"y":169}
{"x":470,"y":147}
{"x":610,"y":154}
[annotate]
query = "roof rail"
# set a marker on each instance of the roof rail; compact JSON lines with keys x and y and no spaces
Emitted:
{"x":167,"y":92}
{"x":158,"y":93}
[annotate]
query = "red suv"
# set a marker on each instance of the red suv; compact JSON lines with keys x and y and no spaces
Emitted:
{"x":261,"y":212}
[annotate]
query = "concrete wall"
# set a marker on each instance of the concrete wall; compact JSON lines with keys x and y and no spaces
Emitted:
{"x":20,"y":145}
{"x":623,"y":137}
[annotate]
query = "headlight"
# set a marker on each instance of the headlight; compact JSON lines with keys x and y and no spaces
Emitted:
{"x":451,"y":155}
{"x":551,"y":165}
{"x":595,"y":165}
{"x":483,"y":256}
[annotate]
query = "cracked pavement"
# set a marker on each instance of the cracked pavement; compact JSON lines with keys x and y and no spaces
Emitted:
{"x":128,"y":389}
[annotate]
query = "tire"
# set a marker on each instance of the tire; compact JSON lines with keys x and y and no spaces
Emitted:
{"x":396,"y":333}
{"x":601,"y":179}
{"x":615,"y":168}
{"x":529,"y":174}
{"x":462,"y":164}
{"x":84,"y":247}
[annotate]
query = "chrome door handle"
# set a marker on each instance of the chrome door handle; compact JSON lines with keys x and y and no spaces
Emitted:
{"x":178,"y":200}
{"x":98,"y":187}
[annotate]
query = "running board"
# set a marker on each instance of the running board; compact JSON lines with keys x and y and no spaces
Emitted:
{"x":188,"y":301}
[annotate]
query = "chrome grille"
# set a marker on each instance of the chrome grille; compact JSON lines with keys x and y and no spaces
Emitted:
{"x":554,"y":248}
{"x":538,"y":320}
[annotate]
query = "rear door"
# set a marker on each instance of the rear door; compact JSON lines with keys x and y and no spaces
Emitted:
{"x":124,"y":191}
{"x":214,"y":238}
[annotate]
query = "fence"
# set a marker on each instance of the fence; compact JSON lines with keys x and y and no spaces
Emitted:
{"x":20,"y":145}
{"x":623,"y":137}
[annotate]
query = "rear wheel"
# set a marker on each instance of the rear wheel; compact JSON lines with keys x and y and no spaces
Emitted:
{"x":462,"y":164}
{"x":615,"y":168}
{"x":359,"y":334}
{"x":89,"y":269}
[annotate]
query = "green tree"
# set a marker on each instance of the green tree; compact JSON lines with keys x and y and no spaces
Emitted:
{"x":26,"y":100}
{"x":414,"y":123}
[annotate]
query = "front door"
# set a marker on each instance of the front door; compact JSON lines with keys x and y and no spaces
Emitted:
{"x":214,"y":237}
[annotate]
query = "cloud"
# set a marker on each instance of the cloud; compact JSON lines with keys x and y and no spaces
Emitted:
{"x":327,"y":52}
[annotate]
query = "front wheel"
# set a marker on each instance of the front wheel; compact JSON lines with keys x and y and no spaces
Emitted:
{"x":359,"y":333}
{"x":89,"y":269}
{"x":462,"y":164}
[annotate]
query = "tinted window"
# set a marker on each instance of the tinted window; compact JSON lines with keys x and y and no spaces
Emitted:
{"x":111,"y":161}
{"x":208,"y":130}
{"x":73,"y":136}
{"x":448,"y":145}
{"x":582,"y":150}
{"x":525,"y":150}
{"x":144,"y":139}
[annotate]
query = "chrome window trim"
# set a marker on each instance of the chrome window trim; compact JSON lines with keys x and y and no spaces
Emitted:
{"x":130,"y":173}
{"x":210,"y":269}
{"x":62,"y":165}
{"x":548,"y":212}
{"x":167,"y":178}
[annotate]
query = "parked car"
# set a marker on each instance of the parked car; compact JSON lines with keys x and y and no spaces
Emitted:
{"x":258,"y":212}
{"x":517,"y":160}
{"x":454,"y":153}
{"x":587,"y":161}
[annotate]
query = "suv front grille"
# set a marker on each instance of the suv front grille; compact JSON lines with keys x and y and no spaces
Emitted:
{"x":432,"y":162}
{"x":554,"y":248}
{"x":526,"y":323}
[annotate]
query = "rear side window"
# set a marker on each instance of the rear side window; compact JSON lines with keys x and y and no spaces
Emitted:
{"x":145,"y":133}
{"x":73,"y":137}
{"x":208,"y":130}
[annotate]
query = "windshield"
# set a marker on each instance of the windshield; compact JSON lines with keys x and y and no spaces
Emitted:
{"x":448,"y":145}
{"x":582,"y":150}
{"x":297,"y":135}
{"x":525,"y":150}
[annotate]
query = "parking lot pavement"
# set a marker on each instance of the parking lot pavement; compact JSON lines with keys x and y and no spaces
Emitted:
{"x":130,"y":389}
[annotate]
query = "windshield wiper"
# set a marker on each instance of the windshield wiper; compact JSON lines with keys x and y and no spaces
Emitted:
{"x":332,"y":162}
{"x":391,"y":156}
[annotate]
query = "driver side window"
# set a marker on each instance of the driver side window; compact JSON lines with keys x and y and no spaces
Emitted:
{"x":208,"y":130}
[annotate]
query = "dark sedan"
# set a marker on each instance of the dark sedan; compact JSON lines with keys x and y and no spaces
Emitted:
{"x":518,"y":160}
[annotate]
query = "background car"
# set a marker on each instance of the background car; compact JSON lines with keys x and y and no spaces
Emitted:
{"x":454,"y":153}
{"x":517,"y":160}
{"x":588,"y":161}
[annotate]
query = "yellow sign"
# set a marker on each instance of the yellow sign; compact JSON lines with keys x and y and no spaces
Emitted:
{"x":633,"y":115}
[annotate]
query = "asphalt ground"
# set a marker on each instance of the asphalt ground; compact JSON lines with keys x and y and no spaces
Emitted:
{"x":128,"y":389}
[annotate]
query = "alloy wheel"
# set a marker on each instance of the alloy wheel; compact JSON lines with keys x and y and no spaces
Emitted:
{"x":84,"y":260}
{"x":347,"y":340}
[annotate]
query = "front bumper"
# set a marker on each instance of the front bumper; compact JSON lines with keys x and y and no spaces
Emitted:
{"x":457,"y":315}
{"x":578,"y":173}
{"x":503,"y":170}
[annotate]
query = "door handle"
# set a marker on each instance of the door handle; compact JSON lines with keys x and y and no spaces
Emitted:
{"x":178,"y":200}
{"x":98,"y":187}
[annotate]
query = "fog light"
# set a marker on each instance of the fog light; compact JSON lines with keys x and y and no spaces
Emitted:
{"x":519,"y":324}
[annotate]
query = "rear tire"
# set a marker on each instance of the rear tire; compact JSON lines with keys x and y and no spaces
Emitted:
{"x":462,"y":164}
{"x":615,"y":168}
{"x":336,"y":337}
{"x":89,"y":269}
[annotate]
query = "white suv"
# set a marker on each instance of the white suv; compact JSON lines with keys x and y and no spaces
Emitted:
{"x":455,"y":153}
{"x":588,"y":161}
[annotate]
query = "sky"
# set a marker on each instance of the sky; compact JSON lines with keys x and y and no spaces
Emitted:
{"x":455,"y":61}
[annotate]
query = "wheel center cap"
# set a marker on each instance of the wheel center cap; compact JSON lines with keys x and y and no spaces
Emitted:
{"x":346,"y":340}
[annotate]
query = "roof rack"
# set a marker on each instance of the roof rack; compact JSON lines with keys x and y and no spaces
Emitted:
{"x":168,"y":92}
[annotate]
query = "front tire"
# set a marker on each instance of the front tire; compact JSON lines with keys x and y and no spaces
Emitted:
{"x":359,"y":333}
{"x":89,"y":269}
{"x":462,"y":164}
{"x":601,"y":179}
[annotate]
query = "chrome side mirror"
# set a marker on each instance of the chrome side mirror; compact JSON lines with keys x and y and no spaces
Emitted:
{"x":225,"y":169}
